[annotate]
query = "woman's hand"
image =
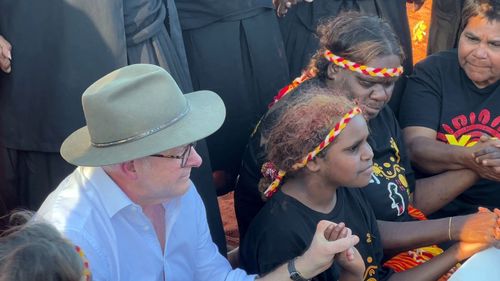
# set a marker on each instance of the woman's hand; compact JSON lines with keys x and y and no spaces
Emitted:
{"x":487,"y":156}
{"x":465,"y":249}
{"x":5,"y":55}
{"x":282,"y":6}
{"x":481,"y":227}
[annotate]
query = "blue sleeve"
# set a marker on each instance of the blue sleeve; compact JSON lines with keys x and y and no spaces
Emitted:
{"x":210,"y":264}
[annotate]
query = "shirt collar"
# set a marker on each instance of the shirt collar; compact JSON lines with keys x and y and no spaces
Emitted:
{"x":108,"y":191}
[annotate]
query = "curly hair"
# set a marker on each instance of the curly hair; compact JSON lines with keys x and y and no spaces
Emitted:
{"x":489,"y":9}
{"x":36,"y":251}
{"x":301,"y":126}
{"x":356,"y":37}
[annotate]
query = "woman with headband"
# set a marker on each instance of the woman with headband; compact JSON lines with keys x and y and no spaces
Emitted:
{"x":300,"y":20}
{"x":319,"y":156}
{"x":366,"y":62}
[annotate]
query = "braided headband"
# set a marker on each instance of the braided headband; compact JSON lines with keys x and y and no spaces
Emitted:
{"x":86,"y":269}
{"x":306,"y":75}
{"x":363,"y":69}
{"x":342,"y":62}
{"x":337,"y":129}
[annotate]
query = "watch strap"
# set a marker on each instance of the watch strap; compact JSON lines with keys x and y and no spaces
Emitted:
{"x":294,"y":274}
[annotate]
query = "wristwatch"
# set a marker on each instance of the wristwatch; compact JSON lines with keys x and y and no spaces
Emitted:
{"x":294,"y":274}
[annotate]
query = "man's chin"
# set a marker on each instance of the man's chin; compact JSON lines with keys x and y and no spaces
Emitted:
{"x":181,"y":189}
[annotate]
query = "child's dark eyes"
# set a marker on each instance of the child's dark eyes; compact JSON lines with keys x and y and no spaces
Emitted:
{"x":354,"y":148}
{"x":369,"y":84}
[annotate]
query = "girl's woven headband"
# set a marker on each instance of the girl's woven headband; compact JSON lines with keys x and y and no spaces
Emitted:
{"x":337,"y":129}
{"x":87,"y":275}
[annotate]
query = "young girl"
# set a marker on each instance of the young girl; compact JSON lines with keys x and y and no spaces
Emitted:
{"x":319,"y":154}
{"x":36,"y":251}
{"x":362,"y":55}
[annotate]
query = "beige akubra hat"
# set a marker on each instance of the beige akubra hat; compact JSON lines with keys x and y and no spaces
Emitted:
{"x":136,"y":111}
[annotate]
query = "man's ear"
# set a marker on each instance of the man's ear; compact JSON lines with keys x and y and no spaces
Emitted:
{"x":128,"y":169}
{"x":313,"y":165}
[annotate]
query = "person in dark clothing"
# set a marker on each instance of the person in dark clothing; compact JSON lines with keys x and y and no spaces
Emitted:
{"x":392,"y":181}
{"x":54,"y":49}
{"x":444,"y":30}
{"x":299,"y":26}
{"x":72,"y":43}
{"x":318,"y":151}
{"x":451,"y":110}
{"x":234,"y":48}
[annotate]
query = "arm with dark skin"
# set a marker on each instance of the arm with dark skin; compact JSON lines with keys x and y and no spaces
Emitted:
{"x":419,"y":233}
{"x":433,"y":156}
{"x":444,"y":188}
{"x":481,"y":227}
{"x":439,"y":265}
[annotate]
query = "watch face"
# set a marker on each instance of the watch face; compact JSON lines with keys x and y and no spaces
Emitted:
{"x":295,"y":276}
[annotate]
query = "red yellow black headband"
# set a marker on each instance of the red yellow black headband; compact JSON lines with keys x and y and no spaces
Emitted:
{"x":344,"y":63}
{"x":337,"y":129}
{"x":363,"y":69}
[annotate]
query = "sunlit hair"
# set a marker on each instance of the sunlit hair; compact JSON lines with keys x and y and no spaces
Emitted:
{"x":356,"y":37}
{"x":301,"y":126}
{"x":36,"y":251}
{"x":489,"y":9}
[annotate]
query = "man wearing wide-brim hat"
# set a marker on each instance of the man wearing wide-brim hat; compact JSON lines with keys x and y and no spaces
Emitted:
{"x":130,"y":204}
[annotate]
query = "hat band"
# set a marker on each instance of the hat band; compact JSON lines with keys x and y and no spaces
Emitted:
{"x":146,"y":133}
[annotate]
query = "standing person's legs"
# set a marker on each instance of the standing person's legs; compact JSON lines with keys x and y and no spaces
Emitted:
{"x":243,"y":61}
{"x":29,"y":176}
{"x":8,"y":198}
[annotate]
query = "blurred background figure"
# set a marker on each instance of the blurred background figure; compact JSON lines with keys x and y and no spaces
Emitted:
{"x":36,"y":251}
{"x":444,"y":31}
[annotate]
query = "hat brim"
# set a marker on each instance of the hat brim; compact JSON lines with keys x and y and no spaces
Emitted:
{"x":206,"y":115}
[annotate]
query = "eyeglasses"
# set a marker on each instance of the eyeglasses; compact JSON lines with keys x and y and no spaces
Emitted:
{"x":184,"y":156}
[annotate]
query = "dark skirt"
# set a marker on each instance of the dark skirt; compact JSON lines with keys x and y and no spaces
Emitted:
{"x":242,"y":60}
{"x":444,"y":31}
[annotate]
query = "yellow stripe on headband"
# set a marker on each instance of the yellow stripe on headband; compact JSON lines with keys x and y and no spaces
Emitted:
{"x":363,"y":69}
{"x":337,"y":129}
